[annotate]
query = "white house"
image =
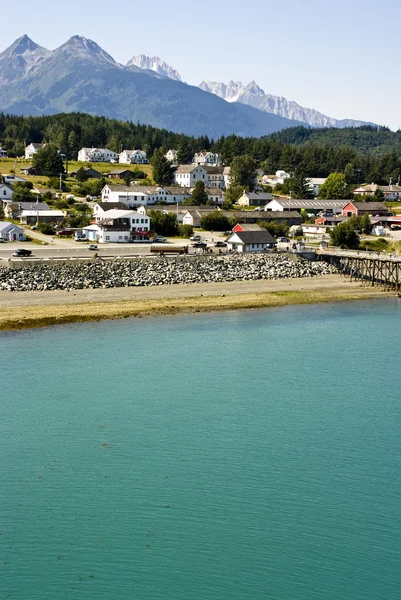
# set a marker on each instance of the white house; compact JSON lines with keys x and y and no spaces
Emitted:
{"x":171,"y":156}
{"x":119,"y":226}
{"x":3,"y":153}
{"x":316,"y":183}
{"x":32,"y":149}
{"x":391,"y":192}
{"x":254,"y":199}
{"x":138,"y":195}
{"x":207,"y":158}
{"x":11,"y":232}
{"x":215,"y":194}
{"x":273,"y":180}
{"x":133,"y":157}
{"x":250,"y":241}
{"x":188,"y":175}
{"x":194,"y":214}
{"x":6,"y":192}
{"x":97,"y":155}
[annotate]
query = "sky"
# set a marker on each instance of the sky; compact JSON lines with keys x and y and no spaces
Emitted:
{"x":339,"y":57}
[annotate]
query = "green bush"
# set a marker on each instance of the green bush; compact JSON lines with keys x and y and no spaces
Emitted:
{"x":185,"y":231}
{"x":46,"y":228}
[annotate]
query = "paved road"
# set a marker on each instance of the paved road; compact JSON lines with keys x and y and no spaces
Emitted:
{"x":55,"y":247}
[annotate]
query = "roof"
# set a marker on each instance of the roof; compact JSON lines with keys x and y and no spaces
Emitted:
{"x":134,"y":151}
{"x":100,"y":150}
{"x":306,"y":203}
{"x":119,"y":171}
{"x":120,"y":214}
{"x":5,"y":225}
{"x":150,"y":190}
{"x":367,"y":205}
{"x":250,"y":226}
{"x":188,"y":168}
{"x":210,"y":170}
{"x":35,"y":144}
{"x":258,"y":196}
{"x":255,"y":237}
{"x":111,"y":205}
{"x":30,"y":205}
{"x":317,"y":180}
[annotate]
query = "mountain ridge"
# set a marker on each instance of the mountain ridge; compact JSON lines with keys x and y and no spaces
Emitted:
{"x":253,"y":95}
{"x":79,"y":76}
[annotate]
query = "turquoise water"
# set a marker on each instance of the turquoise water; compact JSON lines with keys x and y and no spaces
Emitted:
{"x":247,"y":455}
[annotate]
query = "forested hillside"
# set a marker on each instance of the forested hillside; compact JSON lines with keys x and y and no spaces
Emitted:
{"x":364,"y":154}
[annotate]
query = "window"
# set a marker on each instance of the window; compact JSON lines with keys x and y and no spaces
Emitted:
{"x":107,"y":237}
{"x":120,"y":237}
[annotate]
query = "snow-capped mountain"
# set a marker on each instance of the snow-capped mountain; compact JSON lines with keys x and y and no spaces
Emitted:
{"x":156,"y":64}
{"x":253,"y":95}
{"x":21,"y":59}
{"x":80,"y":76}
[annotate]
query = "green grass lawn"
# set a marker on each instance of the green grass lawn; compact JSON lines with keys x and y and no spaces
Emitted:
{"x":14,"y":164}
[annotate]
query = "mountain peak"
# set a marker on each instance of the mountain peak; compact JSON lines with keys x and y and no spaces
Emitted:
{"x":21,"y":59}
{"x":84,"y":49}
{"x":23,"y":44}
{"x":156,"y":64}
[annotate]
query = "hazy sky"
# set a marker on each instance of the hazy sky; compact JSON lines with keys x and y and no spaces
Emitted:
{"x":340,"y":57}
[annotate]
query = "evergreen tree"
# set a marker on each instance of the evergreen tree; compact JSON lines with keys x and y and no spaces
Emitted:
{"x":184,"y":153}
{"x":199,"y":194}
{"x":243,"y":172}
{"x":301,"y":186}
{"x":162,"y":171}
{"x":49,"y":161}
{"x":81,"y":175}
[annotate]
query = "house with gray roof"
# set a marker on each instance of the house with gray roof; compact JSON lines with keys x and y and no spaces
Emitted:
{"x":10,"y":232}
{"x":254,"y":198}
{"x":250,"y":241}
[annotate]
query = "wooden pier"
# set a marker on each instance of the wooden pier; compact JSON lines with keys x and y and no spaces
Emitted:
{"x":368,"y":267}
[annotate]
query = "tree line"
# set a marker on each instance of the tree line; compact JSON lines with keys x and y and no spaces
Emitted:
{"x":364,"y":154}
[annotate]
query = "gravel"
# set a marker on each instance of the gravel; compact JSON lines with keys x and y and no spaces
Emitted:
{"x":156,"y":271}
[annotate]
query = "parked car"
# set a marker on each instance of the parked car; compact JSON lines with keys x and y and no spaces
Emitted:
{"x":283,"y":240}
{"x":34,"y":227}
{"x":92,"y":247}
{"x":2,"y":241}
{"x":159,"y":239}
{"x":199,"y":245}
{"x":195,"y":238}
{"x":220,"y":244}
{"x":22,"y":252}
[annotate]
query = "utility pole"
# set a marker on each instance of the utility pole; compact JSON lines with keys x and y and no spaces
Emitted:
{"x":61,"y":182}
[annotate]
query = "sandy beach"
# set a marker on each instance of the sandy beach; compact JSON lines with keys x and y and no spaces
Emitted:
{"x":20,"y":310}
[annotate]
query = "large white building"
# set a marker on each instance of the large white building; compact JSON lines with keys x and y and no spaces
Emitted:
{"x":97,"y":155}
{"x":133,"y":157}
{"x":188,"y":175}
{"x":119,"y":226}
{"x":141,"y":195}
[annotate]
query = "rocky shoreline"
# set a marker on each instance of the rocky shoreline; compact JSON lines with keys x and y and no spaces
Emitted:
{"x":119,"y":273}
